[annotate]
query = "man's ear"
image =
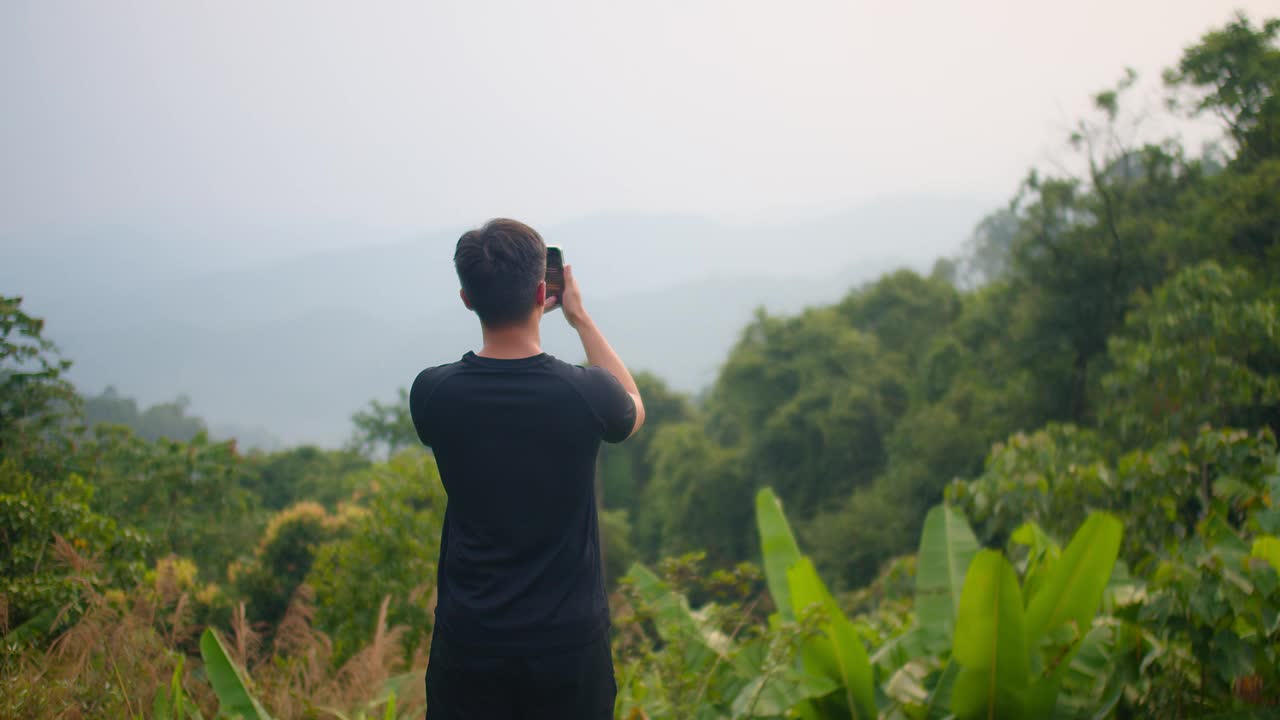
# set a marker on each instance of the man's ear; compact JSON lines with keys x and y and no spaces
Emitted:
{"x":463,"y":294}
{"x":540,"y":295}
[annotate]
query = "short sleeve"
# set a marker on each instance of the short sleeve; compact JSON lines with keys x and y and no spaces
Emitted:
{"x":611,"y":403}
{"x":418,"y":396}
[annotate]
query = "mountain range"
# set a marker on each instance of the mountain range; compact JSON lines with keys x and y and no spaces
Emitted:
{"x":290,"y":345}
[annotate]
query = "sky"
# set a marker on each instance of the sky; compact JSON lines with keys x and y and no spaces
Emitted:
{"x":418,"y":115}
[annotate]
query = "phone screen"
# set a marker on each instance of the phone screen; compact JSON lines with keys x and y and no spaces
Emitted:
{"x":555,"y":274}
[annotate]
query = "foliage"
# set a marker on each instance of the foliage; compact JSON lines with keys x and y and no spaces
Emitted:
{"x":299,"y":680}
{"x":1054,"y":476}
{"x":615,"y":544}
{"x":35,"y":396}
{"x":1201,"y":622}
{"x":280,"y":479}
{"x":1101,"y":365}
{"x":1204,"y":350}
{"x":714,"y":662}
{"x":984,"y":644}
{"x":234,"y":699}
{"x":185,"y":496}
{"x":284,"y":557}
{"x":389,"y":550}
{"x":112,"y":659}
{"x":1049,"y":477}
{"x":1237,"y":66}
{"x":41,"y":526}
{"x":627,"y":469}
{"x":165,"y":420}
{"x":698,"y":499}
{"x":807,"y":397}
{"x":384,"y":428}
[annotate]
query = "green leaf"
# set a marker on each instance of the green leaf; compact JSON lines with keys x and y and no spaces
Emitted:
{"x":169,"y":702}
{"x":840,"y":640}
{"x":1267,"y":548}
{"x":673,"y":617}
{"x":774,"y":695}
{"x":779,"y":547}
{"x":1042,"y":553}
{"x":1269,"y":518}
{"x":160,"y":707}
{"x":390,"y":714}
{"x":990,"y":642}
{"x":1073,"y":588}
{"x":234,"y":700}
{"x":940,"y":698}
{"x":898,"y":651}
{"x":947,"y":546}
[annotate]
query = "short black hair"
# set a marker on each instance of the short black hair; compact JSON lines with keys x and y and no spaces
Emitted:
{"x":500,"y":266}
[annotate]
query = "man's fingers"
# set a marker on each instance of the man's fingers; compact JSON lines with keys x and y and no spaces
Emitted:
{"x":551,"y":302}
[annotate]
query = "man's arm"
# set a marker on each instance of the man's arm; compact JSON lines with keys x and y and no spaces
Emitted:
{"x":599,"y":352}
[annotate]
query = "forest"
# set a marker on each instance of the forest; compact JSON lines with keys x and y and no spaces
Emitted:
{"x":1040,"y":481}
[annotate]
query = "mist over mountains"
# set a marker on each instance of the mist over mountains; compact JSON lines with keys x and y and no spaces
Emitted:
{"x":263,"y":336}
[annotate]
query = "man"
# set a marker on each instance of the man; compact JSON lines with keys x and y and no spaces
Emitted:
{"x":521,"y":615}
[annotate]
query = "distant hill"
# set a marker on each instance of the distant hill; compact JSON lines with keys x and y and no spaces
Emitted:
{"x":294,"y":345}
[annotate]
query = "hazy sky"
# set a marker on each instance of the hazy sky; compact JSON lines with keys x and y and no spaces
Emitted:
{"x":428,"y":114}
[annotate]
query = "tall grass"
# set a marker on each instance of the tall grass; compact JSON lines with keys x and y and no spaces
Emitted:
{"x":123,"y":650}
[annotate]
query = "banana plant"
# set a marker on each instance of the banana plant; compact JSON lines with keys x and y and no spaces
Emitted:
{"x":722,"y":676}
{"x":920,"y":675}
{"x":1011,"y":644}
{"x":836,"y":654}
{"x":1014,"y":651}
{"x":236,"y":702}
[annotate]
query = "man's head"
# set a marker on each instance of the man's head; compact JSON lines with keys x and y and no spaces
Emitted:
{"x":502,"y":267}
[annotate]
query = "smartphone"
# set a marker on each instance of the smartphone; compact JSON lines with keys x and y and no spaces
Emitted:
{"x":555,"y":274}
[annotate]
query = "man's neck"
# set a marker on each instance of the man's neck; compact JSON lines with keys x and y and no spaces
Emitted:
{"x":512,"y":342}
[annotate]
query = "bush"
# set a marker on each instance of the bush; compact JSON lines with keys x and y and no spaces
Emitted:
{"x":389,"y":551}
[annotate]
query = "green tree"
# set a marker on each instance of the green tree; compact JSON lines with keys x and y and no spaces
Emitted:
{"x":384,"y":427}
{"x":1205,"y":349}
{"x":698,"y":499}
{"x":165,"y":420}
{"x":615,"y":545}
{"x":987,"y":251}
{"x":36,"y":400}
{"x":1236,"y":69}
{"x":809,"y":400}
{"x":282,"y":478}
{"x":626,"y":468}
{"x":283,"y":558}
{"x":185,"y":496}
{"x":904,"y":311}
{"x":52,"y":545}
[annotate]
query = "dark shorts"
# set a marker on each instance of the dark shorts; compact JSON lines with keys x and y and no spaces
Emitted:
{"x":572,"y":684}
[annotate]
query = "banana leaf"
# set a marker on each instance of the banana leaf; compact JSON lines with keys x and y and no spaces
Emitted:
{"x":990,"y":642}
{"x":779,"y":547}
{"x":838,"y":653}
{"x":1072,"y":590}
{"x":234,"y":699}
{"x":675,"y":620}
{"x":947,"y":546}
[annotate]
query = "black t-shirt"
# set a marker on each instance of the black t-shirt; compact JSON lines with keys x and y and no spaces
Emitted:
{"x":516,"y":443}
